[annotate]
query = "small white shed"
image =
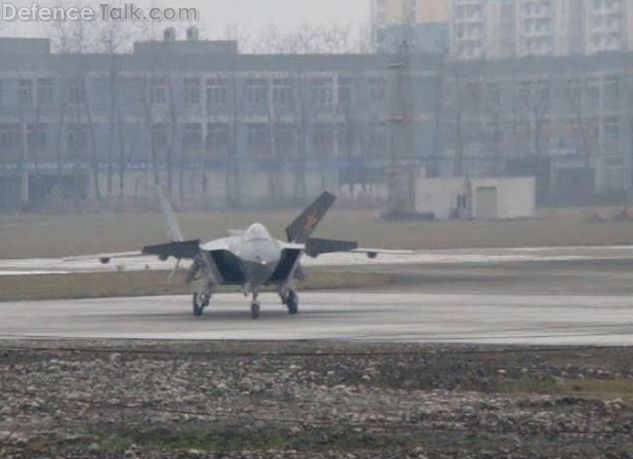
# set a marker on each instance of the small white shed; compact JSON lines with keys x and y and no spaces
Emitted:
{"x":476,"y":198}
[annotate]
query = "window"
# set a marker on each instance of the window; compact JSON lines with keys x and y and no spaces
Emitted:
{"x":192,"y":138}
{"x":37,"y":137}
{"x":542,"y":92}
{"x":321,"y":91}
{"x":258,"y":139}
{"x":77,"y":137}
{"x":462,"y":201}
{"x":323,"y":141}
{"x":44,"y":91}
{"x":282,"y":91}
{"x":160,"y":137}
{"x":611,"y":92}
{"x":158,"y":91}
{"x":284,"y":140}
{"x":493,"y":94}
{"x":574,"y":93}
{"x":471,"y":95}
{"x":76,"y":91}
{"x":612,"y":129}
{"x":344,"y":91}
{"x":217,"y":91}
{"x":345,"y":141}
{"x":379,"y":137}
{"x":192,"y":91}
{"x":25,"y":94}
{"x":377,"y":89}
{"x":10,"y":136}
{"x":593,"y":94}
{"x":217,"y":139}
{"x":256,"y":91}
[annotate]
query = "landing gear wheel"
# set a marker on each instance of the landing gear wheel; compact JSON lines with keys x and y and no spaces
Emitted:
{"x":292,"y":302}
{"x":255,"y":309}
{"x":200,"y":301}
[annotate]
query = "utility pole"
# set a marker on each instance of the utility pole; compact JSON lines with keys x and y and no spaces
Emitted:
{"x":401,"y":189}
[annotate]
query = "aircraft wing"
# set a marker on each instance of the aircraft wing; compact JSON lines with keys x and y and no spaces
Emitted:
{"x":178,"y":250}
{"x":104,"y":257}
{"x":316,"y":247}
{"x":373,"y":253}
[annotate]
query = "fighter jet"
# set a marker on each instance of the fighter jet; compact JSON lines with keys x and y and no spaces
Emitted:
{"x":251,"y":259}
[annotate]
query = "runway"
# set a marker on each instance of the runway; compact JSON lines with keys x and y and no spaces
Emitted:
{"x":362,"y":316}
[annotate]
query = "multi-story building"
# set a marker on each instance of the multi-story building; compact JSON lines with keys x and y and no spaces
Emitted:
{"x":423,"y":24}
{"x":489,"y":29}
{"x":396,"y":12}
{"x":567,"y":120}
{"x":200,"y":118}
{"x":218,"y":127}
{"x":607,"y":25}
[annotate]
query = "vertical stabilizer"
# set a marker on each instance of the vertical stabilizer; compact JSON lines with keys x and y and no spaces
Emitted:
{"x":173,"y":229}
{"x":300,"y":230}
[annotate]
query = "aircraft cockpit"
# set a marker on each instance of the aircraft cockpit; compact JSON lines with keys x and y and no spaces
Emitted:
{"x":257,"y":232}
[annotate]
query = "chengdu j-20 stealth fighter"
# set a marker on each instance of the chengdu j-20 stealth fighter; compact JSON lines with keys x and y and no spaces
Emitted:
{"x":251,"y":259}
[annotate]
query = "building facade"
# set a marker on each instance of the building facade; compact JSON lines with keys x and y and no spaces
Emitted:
{"x":491,"y":29}
{"x":423,"y":24}
{"x":222,"y":129}
{"x":396,"y":12}
{"x":200,"y":119}
{"x":566,"y":120}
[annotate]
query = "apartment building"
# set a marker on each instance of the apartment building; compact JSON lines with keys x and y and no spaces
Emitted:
{"x":396,"y":12}
{"x":608,"y":25}
{"x":423,"y":24}
{"x":489,"y":29}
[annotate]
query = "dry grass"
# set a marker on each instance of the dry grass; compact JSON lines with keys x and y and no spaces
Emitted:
{"x":589,"y":387}
{"x":149,"y":283}
{"x":55,"y":236}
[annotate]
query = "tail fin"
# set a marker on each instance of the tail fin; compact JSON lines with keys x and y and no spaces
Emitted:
{"x":173,"y":229}
{"x":300,"y":230}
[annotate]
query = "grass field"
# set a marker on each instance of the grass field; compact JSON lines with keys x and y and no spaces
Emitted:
{"x":27,"y":236}
{"x":150,"y":283}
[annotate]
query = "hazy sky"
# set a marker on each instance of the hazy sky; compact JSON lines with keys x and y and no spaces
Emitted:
{"x":251,"y":15}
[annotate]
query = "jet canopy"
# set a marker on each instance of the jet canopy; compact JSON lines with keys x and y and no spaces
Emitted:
{"x":257,"y":232}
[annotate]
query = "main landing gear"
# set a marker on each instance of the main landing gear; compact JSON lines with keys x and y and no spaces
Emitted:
{"x":200,"y":301}
{"x":291,"y":300}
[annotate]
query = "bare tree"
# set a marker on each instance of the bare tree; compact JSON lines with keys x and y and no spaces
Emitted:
{"x":311,"y":39}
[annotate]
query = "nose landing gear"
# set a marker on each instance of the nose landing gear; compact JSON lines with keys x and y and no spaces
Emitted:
{"x":255,"y":308}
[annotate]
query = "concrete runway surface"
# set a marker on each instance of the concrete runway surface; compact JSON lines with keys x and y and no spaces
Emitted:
{"x":566,"y":296}
{"x":370,"y":316}
{"x":437,"y":257}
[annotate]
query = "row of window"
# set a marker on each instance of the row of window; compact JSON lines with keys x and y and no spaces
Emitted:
{"x":40,"y":91}
{"x":258,"y":91}
{"x":258,"y":138}
{"x":588,"y":92}
{"x":218,"y":91}
{"x":553,"y":135}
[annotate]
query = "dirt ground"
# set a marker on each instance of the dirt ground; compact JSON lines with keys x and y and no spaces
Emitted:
{"x":88,"y":399}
